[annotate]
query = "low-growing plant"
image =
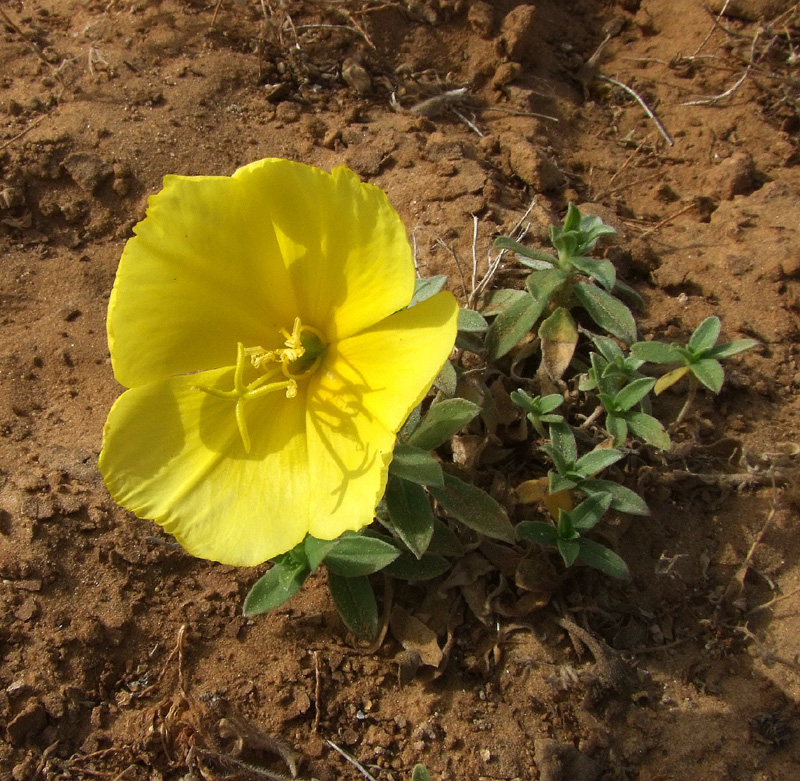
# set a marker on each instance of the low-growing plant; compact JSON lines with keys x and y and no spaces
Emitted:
{"x":302,"y":431}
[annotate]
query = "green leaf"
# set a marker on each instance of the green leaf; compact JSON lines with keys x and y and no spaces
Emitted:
{"x":731,"y":348}
{"x":410,"y":513}
{"x":572,"y":220}
{"x":497,"y":301}
{"x":608,"y":348}
{"x":596,"y":461}
{"x":563,"y":441}
{"x":557,"y":482}
{"x":705,"y":335}
{"x":417,"y":465}
{"x":569,"y":550}
{"x":276,"y":586}
{"x":471,"y":321}
{"x":655,"y":352}
{"x":709,"y":372}
{"x":618,"y":428}
{"x":445,"y":541}
{"x":542,"y":284}
{"x":598,"y":556}
{"x":356,"y":555}
{"x":590,"y":511}
{"x":633,"y":393}
{"x":601,"y":270}
{"x":608,"y":312}
{"x":407,"y":567}
{"x":538,"y":532}
{"x":444,"y":419}
{"x":646,"y":427}
{"x":511,"y":325}
{"x":506,"y":243}
{"x":316,"y":550}
{"x":355,"y":601}
{"x":419,"y":773}
{"x":426,"y":288}
{"x":474,"y":508}
{"x":626,"y":293}
{"x":550,"y":402}
{"x":447,"y":380}
{"x":623,"y":500}
{"x":472,"y":343}
{"x":412,"y":421}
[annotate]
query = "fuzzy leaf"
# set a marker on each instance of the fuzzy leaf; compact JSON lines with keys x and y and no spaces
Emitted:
{"x":623,"y":500}
{"x":538,"y":532}
{"x":731,"y":348}
{"x":542,"y":284}
{"x":447,"y":380}
{"x":407,"y":567}
{"x":442,"y":421}
{"x":710,"y":373}
{"x":355,"y":601}
{"x":618,"y":428}
{"x":596,"y":461}
{"x":410,"y":513}
{"x":276,"y":586}
{"x":356,"y":555}
{"x":705,"y":335}
{"x":496,"y":301}
{"x":601,"y":270}
{"x":426,"y":288}
{"x":511,"y":325}
{"x":474,"y":508}
{"x":504,"y":242}
{"x":417,"y":465}
{"x":569,"y":550}
{"x":608,"y":312}
{"x":563,"y":440}
{"x":646,"y":427}
{"x":471,"y":321}
{"x":633,"y":393}
{"x":598,"y":556}
{"x":655,"y":352}
{"x":590,"y":511}
{"x":420,"y":773}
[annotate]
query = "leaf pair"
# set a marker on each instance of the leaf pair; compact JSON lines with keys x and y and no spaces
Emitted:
{"x":701,"y":356}
{"x":567,"y":536}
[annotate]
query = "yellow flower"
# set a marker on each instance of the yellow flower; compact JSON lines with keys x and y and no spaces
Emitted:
{"x":258,"y":321}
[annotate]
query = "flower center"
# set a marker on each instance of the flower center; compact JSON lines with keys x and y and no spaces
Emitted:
{"x":300,"y":356}
{"x":297,"y":359}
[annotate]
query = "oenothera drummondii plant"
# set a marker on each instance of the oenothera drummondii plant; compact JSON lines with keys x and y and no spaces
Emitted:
{"x":261,"y":326}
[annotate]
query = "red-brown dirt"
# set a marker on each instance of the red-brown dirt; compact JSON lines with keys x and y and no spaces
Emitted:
{"x":99,"y":100}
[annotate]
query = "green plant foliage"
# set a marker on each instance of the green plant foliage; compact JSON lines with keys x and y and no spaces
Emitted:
{"x":444,"y":419}
{"x":356,"y":604}
{"x":410,"y":514}
{"x":700,"y":356}
{"x":474,"y":508}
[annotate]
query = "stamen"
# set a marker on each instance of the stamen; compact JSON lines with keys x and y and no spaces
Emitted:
{"x":300,"y":357}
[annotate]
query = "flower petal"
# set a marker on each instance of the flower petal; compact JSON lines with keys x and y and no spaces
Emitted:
{"x":203,"y":272}
{"x":221,"y":260}
{"x":174,"y":454}
{"x":358,"y":399}
{"x":344,"y":244}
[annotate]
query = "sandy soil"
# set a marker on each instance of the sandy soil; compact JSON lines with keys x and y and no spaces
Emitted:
{"x":99,"y":100}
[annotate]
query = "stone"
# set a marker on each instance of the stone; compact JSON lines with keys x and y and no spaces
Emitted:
{"x":28,"y":723}
{"x":87,"y":171}
{"x":751,"y":10}
{"x":533,"y":167}
{"x":735,"y":175}
{"x":519,"y":33}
